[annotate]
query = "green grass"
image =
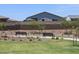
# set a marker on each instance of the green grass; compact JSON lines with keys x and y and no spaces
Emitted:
{"x":38,"y":47}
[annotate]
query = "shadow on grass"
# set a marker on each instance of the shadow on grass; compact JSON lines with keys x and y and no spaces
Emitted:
{"x":76,"y":45}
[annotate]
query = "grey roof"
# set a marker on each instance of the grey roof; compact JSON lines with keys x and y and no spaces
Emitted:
{"x":73,"y":16}
{"x":44,"y":15}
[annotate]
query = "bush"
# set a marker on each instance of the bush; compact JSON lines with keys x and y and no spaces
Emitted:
{"x":20,"y":40}
{"x":30,"y":39}
{"x":13,"y":39}
{"x":62,"y":38}
{"x":57,"y":38}
{"x":68,"y":33}
{"x":53,"y":37}
{"x":5,"y":39}
{"x":39,"y":39}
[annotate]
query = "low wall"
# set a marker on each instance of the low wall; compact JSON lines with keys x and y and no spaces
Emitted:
{"x":11,"y":34}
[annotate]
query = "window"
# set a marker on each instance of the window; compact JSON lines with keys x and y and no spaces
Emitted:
{"x":21,"y":33}
{"x":48,"y":34}
{"x":43,"y":19}
{"x":35,"y":19}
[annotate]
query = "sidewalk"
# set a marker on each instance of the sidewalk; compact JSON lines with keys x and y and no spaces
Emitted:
{"x":71,"y":39}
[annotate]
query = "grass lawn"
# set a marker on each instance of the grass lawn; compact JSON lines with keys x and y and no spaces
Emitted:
{"x":39,"y":47}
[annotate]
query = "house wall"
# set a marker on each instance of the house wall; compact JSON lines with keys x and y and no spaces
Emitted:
{"x":3,"y":19}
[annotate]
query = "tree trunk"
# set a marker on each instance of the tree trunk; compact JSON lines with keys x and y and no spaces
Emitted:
{"x":76,"y":38}
{"x":73,"y":39}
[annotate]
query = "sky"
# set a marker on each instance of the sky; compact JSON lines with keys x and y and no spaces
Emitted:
{"x":21,"y":11}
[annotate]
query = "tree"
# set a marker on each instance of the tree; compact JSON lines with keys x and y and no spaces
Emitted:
{"x":66,"y":25}
{"x":74,"y":26}
{"x":37,"y":25}
{"x":76,"y":34}
{"x":2,"y":26}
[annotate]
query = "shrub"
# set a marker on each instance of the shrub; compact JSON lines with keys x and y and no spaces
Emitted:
{"x":5,"y":39}
{"x":53,"y":37}
{"x":13,"y":39}
{"x":39,"y":39}
{"x":68,"y":33}
{"x":20,"y":40}
{"x":30,"y":39}
{"x":62,"y":38}
{"x":57,"y":38}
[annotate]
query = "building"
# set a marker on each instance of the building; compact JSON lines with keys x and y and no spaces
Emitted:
{"x":72,"y":17}
{"x":51,"y":22}
{"x":3,"y":19}
{"x":44,"y":16}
